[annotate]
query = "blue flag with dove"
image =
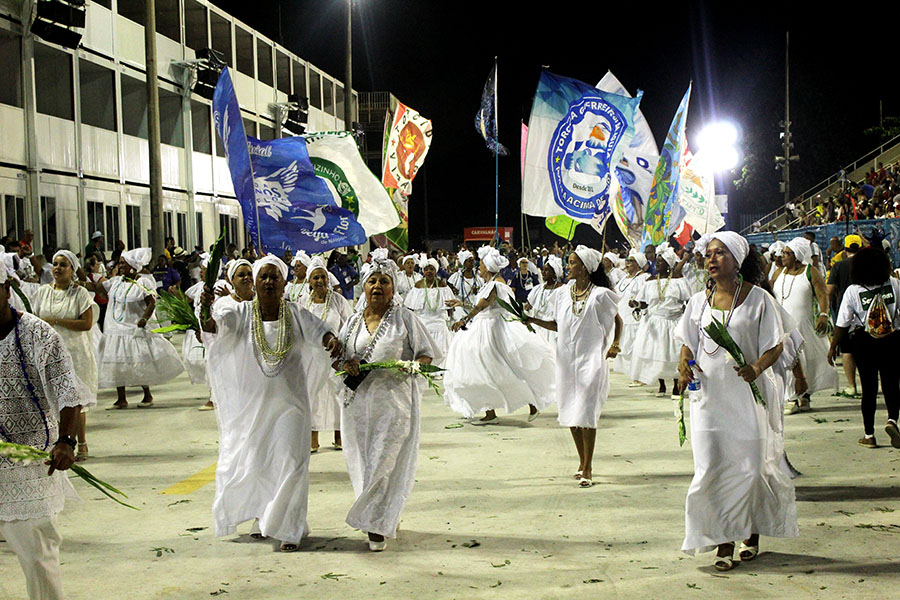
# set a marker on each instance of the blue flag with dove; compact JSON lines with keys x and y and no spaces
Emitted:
{"x":285,"y":205}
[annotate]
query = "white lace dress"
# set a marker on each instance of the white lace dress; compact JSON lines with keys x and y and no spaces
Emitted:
{"x":26,"y":491}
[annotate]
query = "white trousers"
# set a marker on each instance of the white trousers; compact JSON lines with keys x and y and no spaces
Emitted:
{"x":36,"y":544}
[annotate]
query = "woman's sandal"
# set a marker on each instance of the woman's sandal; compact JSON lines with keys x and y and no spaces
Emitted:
{"x":577,"y":475}
{"x":82,"y":453}
{"x":288,"y":547}
{"x":585,"y":483}
{"x":748,"y":553}
{"x":255,"y":532}
{"x":724,"y":563}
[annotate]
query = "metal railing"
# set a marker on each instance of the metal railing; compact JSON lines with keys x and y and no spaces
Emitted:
{"x":850,"y":172}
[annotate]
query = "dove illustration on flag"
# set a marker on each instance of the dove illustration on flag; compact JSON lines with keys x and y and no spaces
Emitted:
{"x":285,"y":205}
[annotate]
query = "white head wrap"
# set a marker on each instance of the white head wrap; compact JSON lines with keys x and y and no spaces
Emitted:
{"x":138,"y":258}
{"x":379,"y":254}
{"x":383,"y":265}
{"x":669,"y":256}
{"x":483,"y":251}
{"x":556,"y":263}
{"x":302,"y":257}
{"x":639,"y":257}
{"x":493,"y":260}
{"x":411,"y":257}
{"x":802,"y":249}
{"x":776,"y":248}
{"x":270,"y":259}
{"x":425,"y":261}
{"x":736,"y":244}
{"x":612,"y":257}
{"x":233,"y":267}
{"x":463,"y":255}
{"x":316,"y":262}
{"x":70,"y":256}
{"x":204,"y":260}
{"x":590,"y":257}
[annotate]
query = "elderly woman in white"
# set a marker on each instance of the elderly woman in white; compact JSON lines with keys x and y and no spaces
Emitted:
{"x":380,"y":417}
{"x":739,"y":490}
{"x":128,"y":353}
{"x":493,"y":363}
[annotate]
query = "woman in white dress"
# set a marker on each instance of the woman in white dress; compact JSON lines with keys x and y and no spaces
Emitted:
{"x":493,"y":363}
{"x":800,"y":289}
{"x":407,"y":278}
{"x":334,"y":310}
{"x":258,"y":369}
{"x":626,"y":289}
{"x":542,"y":299}
{"x":129,"y":354}
{"x":69,"y":308}
{"x":739,"y":491}
{"x":655,"y":351}
{"x":610,"y":264}
{"x":380,"y":418}
{"x":429,"y":299}
{"x":589,"y":331}
{"x":298,"y":285}
{"x":465,"y":283}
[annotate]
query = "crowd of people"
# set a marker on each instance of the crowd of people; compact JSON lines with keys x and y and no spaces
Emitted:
{"x":274,"y":330}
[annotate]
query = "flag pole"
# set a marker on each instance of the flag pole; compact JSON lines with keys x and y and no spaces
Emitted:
{"x":496,"y":162}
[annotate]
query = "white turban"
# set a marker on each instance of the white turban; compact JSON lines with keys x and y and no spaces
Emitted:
{"x":612,"y":257}
{"x":555,"y":263}
{"x":736,"y":244}
{"x":301,"y":257}
{"x":315,"y":263}
{"x":669,"y":256}
{"x":425,"y":261}
{"x":639,"y":257}
{"x":383,"y":265}
{"x":204,"y":260}
{"x":590,"y":257}
{"x":379,"y":254}
{"x":69,"y":256}
{"x":270,"y":259}
{"x":233,"y":267}
{"x":802,"y":249}
{"x":493,"y":260}
{"x":776,"y":248}
{"x":411,"y":257}
{"x":138,"y":258}
{"x":483,"y":251}
{"x":463,"y":255}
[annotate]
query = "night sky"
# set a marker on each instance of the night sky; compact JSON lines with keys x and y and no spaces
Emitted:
{"x":435,"y":57}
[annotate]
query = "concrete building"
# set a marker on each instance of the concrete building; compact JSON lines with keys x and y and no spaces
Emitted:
{"x":73,"y":123}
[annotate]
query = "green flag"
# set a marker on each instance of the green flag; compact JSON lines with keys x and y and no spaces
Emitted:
{"x":561,"y":225}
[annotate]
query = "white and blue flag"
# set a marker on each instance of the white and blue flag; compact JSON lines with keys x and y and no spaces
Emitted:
{"x":285,"y":205}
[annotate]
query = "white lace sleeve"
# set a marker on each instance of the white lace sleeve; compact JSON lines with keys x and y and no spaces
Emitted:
{"x":61,"y":386}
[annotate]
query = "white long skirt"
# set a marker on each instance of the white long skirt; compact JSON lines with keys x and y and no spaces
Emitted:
{"x":380,"y":435}
{"x":193,"y":355}
{"x":655,"y":353}
{"x":496,"y":364}
{"x":440,"y":333}
{"x":622,"y":362}
{"x":133,"y":356}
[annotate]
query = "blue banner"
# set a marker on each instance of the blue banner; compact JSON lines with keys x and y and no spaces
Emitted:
{"x":285,"y":205}
{"x":486,"y":117}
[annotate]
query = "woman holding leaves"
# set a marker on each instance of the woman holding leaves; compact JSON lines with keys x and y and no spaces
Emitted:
{"x":493,"y":363}
{"x":588,"y":334}
{"x":380,"y":417}
{"x":739,"y":491}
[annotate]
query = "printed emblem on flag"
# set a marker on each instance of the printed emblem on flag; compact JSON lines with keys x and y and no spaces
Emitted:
{"x":580,"y":154}
{"x":407,"y":145}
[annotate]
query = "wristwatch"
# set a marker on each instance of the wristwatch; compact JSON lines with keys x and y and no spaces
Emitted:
{"x":67,"y":439}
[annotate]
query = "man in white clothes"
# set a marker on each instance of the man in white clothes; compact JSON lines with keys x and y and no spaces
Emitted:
{"x":40,"y":403}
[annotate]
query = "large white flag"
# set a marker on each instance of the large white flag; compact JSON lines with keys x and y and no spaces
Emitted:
{"x":697,"y":196}
{"x":336,"y":159}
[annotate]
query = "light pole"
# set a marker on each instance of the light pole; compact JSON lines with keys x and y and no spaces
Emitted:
{"x":348,"y":80}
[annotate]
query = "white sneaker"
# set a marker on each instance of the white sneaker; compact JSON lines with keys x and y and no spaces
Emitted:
{"x":791,"y":408}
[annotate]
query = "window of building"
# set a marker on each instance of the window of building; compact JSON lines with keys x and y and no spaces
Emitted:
{"x":299,"y":76}
{"x":220,"y":150}
{"x":111,"y":232}
{"x":181,"y":229}
{"x":95,"y":219}
{"x":167,"y":225}
{"x":339,"y":103}
{"x":220,"y":30}
{"x":14,"y":215}
{"x":328,"y":95}
{"x":135,"y":10}
{"x":132,"y":227}
{"x":195,"y":25}
{"x":97,"y":85}
{"x":11,"y":70}
{"x":134,"y":107}
{"x":229,"y":226}
{"x":283,"y":71}
{"x":53,"y":82}
{"x":315,"y":89}
{"x":168,"y":19}
{"x":171,"y":130}
{"x":200,"y":230}
{"x":201,"y":127}
{"x":266,"y":132}
{"x":264,"y":63}
{"x":104,"y":3}
{"x":243,"y":46}
{"x":249,"y":127}
{"x":48,"y":221}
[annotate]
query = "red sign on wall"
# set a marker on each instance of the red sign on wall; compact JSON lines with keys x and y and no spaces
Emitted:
{"x":486,"y":234}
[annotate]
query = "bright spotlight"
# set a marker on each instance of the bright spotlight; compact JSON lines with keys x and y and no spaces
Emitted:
{"x":716,"y":143}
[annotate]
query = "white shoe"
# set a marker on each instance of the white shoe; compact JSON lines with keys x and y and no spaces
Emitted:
{"x":480,"y":422}
{"x":791,"y":408}
{"x":661,"y":394}
{"x":377,"y":546}
{"x":636,"y":384}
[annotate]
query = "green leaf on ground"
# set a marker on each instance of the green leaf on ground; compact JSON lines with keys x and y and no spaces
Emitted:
{"x":334,"y":576}
{"x":453,"y":426}
{"x":501,"y":565}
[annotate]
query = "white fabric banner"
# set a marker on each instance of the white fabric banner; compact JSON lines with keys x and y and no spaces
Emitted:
{"x":697,"y":196}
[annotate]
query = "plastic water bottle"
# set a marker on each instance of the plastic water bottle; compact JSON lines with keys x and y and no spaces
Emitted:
{"x":693,"y":387}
